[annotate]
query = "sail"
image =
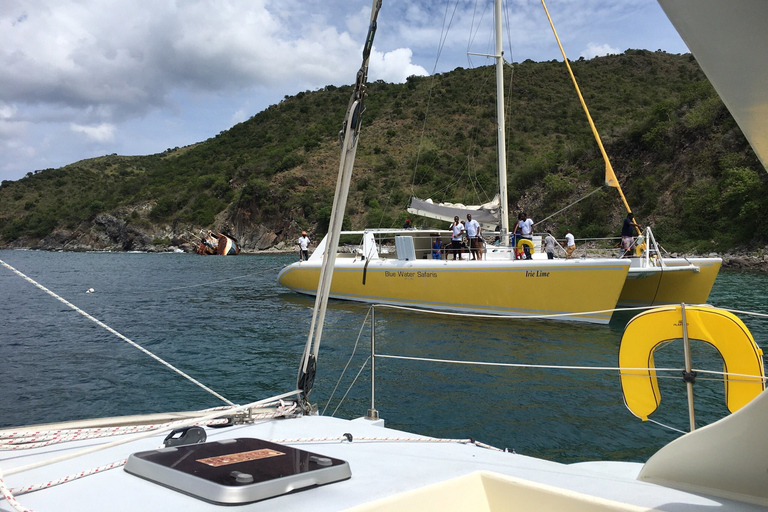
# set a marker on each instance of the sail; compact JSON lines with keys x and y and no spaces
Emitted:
{"x":486,"y":214}
{"x":728,"y":39}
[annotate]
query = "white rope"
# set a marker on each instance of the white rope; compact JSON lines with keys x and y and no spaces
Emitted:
{"x":8,"y":495}
{"x":736,"y":311}
{"x":283,"y":410}
{"x":536,"y":366}
{"x":136,"y":437}
{"x":64,"y":436}
{"x":667,"y":426}
{"x":108,"y":328}
{"x":510,"y":317}
{"x":19,"y":491}
{"x":336,"y":439}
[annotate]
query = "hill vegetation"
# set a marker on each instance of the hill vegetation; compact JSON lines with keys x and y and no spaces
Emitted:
{"x":685,"y":167}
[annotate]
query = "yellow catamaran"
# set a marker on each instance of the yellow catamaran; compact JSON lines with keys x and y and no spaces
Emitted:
{"x":393,"y":267}
{"x":382,"y":272}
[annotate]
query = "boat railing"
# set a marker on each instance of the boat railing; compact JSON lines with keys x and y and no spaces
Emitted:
{"x":688,"y":372}
{"x":423,"y":242}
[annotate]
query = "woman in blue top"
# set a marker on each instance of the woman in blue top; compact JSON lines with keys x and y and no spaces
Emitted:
{"x":437,"y":249}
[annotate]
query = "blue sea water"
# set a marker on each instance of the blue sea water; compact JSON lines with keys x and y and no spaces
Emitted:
{"x":227,"y":323}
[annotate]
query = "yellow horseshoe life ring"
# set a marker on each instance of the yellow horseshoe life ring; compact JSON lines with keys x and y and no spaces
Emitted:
{"x":721,"y":329}
{"x":524,"y":242}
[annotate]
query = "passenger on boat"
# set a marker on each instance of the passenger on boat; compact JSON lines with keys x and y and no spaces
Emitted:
{"x":516,"y":233}
{"x":437,"y":249}
{"x":303,"y":246}
{"x":407,"y":224}
{"x":526,"y":229}
{"x":457,"y":228}
{"x":570,"y":244}
{"x":626,"y":235}
{"x":549,"y":245}
{"x":473,"y":233}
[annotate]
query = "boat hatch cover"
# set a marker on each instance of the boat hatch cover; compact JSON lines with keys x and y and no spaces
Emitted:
{"x":236,"y":471}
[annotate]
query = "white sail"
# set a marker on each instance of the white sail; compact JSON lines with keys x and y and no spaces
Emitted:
{"x":728,"y":40}
{"x":486,"y":214}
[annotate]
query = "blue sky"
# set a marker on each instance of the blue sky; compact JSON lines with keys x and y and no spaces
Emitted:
{"x":84,"y":78}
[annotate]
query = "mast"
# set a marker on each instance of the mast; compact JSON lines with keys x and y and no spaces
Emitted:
{"x":500,"y":129}
{"x":349,"y":137}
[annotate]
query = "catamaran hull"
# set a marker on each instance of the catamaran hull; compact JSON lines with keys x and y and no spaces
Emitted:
{"x":670,"y":285}
{"x":511,"y":288}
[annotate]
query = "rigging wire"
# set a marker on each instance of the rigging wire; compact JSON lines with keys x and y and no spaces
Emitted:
{"x":354,"y":350}
{"x":362,"y":367}
{"x":571,"y":205}
{"x":441,"y":44}
{"x":119,"y":335}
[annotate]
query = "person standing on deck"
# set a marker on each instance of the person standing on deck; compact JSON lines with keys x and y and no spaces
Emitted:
{"x":473,"y":233}
{"x":526,"y":229}
{"x":457,"y":228}
{"x":549,"y":245}
{"x":516,"y":233}
{"x":437,"y":249}
{"x":303,"y":246}
{"x":570,"y":244}
{"x":626,"y":235}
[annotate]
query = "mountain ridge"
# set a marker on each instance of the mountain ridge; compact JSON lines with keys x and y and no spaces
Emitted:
{"x":684,"y":164}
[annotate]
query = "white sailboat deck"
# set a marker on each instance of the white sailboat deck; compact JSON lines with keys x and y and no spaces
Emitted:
{"x":382,"y":469}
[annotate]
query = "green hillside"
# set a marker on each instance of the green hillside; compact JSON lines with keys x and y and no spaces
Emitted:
{"x":685,"y":167}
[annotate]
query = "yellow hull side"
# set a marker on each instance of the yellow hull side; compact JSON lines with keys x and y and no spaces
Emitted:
{"x":672,"y":287}
{"x":506,"y":288}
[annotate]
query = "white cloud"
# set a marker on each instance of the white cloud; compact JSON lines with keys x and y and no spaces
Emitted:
{"x":598,"y":50}
{"x":103,"y":132}
{"x":394,"y":66}
{"x":75,"y":72}
{"x":7,"y":111}
{"x":239,"y":116}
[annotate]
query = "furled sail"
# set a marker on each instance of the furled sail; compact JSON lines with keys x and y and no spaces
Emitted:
{"x":728,"y":40}
{"x":486,"y":214}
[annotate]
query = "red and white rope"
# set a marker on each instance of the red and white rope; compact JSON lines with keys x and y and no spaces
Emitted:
{"x":8,"y":495}
{"x":283,"y":409}
{"x":18,"y":491}
{"x":42,"y":439}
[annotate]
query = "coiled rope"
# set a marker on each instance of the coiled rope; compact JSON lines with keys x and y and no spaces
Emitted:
{"x":212,"y":417}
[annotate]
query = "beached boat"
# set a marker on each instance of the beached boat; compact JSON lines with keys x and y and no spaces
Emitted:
{"x":217,"y":244}
{"x":271,"y":449}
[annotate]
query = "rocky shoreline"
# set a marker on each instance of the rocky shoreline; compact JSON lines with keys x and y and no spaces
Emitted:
{"x":755,"y":261}
{"x":129,"y":231}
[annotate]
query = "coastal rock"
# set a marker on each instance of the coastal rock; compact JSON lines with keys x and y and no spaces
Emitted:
{"x":266,"y":241}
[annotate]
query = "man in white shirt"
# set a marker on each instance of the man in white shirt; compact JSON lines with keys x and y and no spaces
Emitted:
{"x":303,"y":246}
{"x":457,"y":228}
{"x":570,"y":244}
{"x":473,"y":233}
{"x":526,"y":227}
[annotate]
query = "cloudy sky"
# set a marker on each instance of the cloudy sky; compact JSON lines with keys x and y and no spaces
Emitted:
{"x":84,"y":78}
